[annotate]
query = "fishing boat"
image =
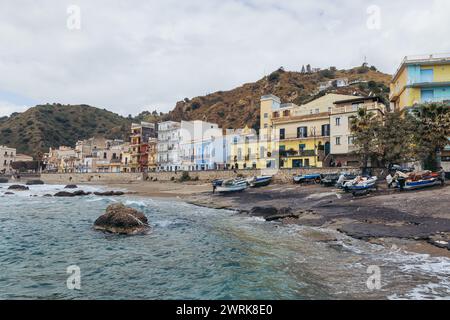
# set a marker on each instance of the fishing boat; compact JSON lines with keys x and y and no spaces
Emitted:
{"x":413,"y":180}
{"x":361,"y":183}
{"x":233,"y":185}
{"x":303,"y":178}
{"x":217,"y":182}
{"x":260,"y":181}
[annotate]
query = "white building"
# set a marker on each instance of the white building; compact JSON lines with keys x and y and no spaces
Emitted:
{"x":168,"y":157}
{"x":7,"y":157}
{"x":202,"y":146}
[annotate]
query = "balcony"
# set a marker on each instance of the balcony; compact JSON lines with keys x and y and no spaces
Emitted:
{"x":297,"y":153}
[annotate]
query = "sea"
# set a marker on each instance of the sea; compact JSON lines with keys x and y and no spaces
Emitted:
{"x":49,"y":250}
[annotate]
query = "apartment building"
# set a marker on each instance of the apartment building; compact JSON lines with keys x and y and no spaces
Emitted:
{"x":300,"y":134}
{"x":421,"y":79}
{"x":140,"y":135}
{"x":168,"y":146}
{"x":341,"y":139}
{"x":7,"y":157}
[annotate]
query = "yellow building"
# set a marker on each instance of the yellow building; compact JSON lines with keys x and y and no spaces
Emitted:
{"x":421,"y":79}
{"x":298,"y":135}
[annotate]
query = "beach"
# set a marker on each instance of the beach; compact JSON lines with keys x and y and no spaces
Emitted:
{"x":415,"y":220}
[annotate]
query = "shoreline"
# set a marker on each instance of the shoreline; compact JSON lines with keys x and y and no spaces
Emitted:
{"x":400,"y":221}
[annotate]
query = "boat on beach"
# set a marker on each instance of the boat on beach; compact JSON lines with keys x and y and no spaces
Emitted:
{"x":233,"y":185}
{"x":413,"y":180}
{"x":344,"y":178}
{"x":260,"y":181}
{"x":304,"y":178}
{"x":361,"y":183}
{"x":330,"y":179}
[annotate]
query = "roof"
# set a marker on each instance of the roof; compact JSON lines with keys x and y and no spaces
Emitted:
{"x":430,"y":59}
{"x":359,"y":99}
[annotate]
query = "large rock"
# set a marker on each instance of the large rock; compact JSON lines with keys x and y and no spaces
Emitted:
{"x":72,"y":194}
{"x":122,"y":220}
{"x":109,"y":193}
{"x":4,"y":180}
{"x":34,"y":182}
{"x":18,"y":187}
{"x":71,"y":186}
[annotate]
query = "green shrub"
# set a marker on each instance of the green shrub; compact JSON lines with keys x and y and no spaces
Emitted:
{"x":185,"y":176}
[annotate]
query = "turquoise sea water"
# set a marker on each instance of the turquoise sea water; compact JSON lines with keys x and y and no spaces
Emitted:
{"x":192,"y":253}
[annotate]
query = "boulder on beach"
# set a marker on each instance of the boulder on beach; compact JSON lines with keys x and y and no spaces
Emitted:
{"x":9,"y":193}
{"x":34,"y":182}
{"x":109,"y":193}
{"x":18,"y":187}
{"x":4,"y":180}
{"x":122,"y":220}
{"x":71,"y":194}
{"x":71,"y":186}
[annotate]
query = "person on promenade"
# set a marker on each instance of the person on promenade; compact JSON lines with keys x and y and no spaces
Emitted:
{"x":442,"y":176}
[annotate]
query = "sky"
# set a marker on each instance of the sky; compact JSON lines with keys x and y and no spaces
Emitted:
{"x":137,"y":55}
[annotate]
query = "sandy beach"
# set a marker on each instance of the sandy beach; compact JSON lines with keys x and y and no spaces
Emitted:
{"x":417,"y":221}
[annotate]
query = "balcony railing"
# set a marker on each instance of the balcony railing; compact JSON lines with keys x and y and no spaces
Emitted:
{"x":298,"y":153}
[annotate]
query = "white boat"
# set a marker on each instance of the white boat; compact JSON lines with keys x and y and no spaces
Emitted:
{"x":361,"y":183}
{"x":234,"y":185}
{"x":260,"y":181}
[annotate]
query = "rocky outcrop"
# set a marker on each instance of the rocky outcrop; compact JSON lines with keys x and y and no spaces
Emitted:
{"x":72,"y":194}
{"x":122,"y":220}
{"x":271,"y":213}
{"x":109,"y":193}
{"x":18,"y":187}
{"x":34,"y":182}
{"x":71,"y":186}
{"x":263,"y":211}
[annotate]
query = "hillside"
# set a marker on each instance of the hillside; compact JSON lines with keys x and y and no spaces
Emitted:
{"x":239,"y":107}
{"x":46,"y":126}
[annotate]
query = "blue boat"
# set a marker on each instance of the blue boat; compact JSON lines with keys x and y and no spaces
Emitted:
{"x":361,"y":183}
{"x":260,"y":181}
{"x":313,"y":177}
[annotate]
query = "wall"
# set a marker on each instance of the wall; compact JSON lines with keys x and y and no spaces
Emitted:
{"x":281,"y":176}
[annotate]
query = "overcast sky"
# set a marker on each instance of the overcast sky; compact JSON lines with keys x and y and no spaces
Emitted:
{"x":130,"y":56}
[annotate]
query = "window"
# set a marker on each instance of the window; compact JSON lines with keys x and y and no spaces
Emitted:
{"x":302,"y":132}
{"x":262,"y":152}
{"x":338,"y":141}
{"x":301,"y":147}
{"x":317,"y":110}
{"x":286,"y":113}
{"x":427,"y":95}
{"x":426,"y":75}
{"x":326,"y":130}
{"x":282,"y":134}
{"x":350,"y":140}
{"x":338,"y":121}
{"x":266,"y":115}
{"x":266,"y":125}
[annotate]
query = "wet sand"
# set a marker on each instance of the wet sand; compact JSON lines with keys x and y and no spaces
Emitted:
{"x":417,"y":221}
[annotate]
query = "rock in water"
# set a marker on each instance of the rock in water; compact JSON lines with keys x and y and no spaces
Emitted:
{"x":122,"y":220}
{"x":18,"y":187}
{"x":71,"y":186}
{"x":109,"y":193}
{"x":34,"y":182}
{"x":71,"y":194}
{"x":263,"y":211}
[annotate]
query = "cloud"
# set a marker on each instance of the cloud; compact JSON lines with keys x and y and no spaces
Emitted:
{"x":141,"y":55}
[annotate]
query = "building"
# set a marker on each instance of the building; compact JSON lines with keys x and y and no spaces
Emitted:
{"x":152,"y":154}
{"x":20,"y":157}
{"x":168,"y":145}
{"x":7,"y":157}
{"x":421,"y":79}
{"x":201,"y":146}
{"x":140,"y":135}
{"x":62,"y":160}
{"x":243,"y":152}
{"x":300,"y":135}
{"x":341,"y":139}
{"x":335,"y":83}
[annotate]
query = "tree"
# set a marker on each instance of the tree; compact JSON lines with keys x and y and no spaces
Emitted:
{"x":364,"y":128}
{"x":308,"y":68}
{"x":434,"y":132}
{"x":303,"y":69}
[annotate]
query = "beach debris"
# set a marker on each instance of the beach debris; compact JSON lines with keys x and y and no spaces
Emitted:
{"x":71,"y":194}
{"x":121,"y":219}
{"x":18,"y":187}
{"x":34,"y":182}
{"x":71,"y":186}
{"x":109,"y":193}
